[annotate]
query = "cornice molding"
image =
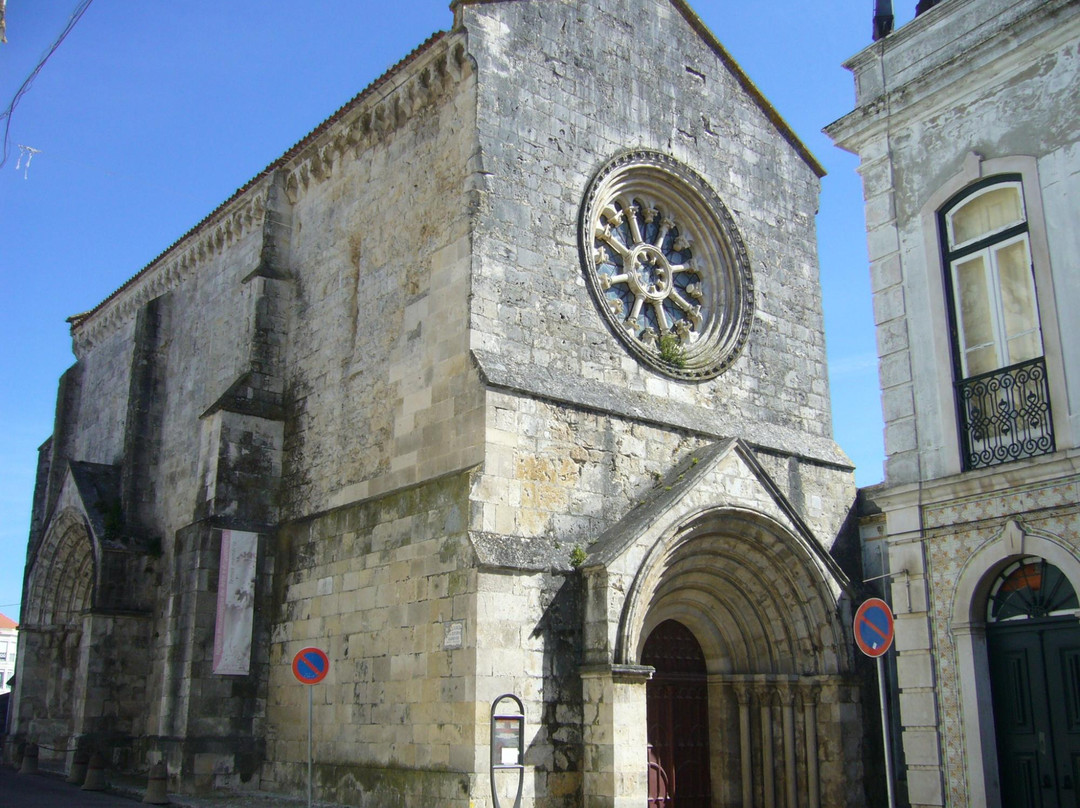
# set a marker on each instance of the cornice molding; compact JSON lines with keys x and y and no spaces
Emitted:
{"x":421,"y":78}
{"x":991,"y":55}
{"x":372,"y":120}
{"x":228,"y":225}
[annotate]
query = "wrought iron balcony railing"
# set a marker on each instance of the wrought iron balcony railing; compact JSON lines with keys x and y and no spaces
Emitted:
{"x":1005,"y":415}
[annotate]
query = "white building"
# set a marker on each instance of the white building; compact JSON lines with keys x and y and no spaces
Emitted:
{"x":966,"y":122}
{"x":9,"y":641}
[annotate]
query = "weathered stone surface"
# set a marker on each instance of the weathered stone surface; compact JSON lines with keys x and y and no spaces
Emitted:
{"x":381,"y":359}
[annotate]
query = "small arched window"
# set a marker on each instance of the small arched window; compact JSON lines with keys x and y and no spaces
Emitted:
{"x":1029,"y":589}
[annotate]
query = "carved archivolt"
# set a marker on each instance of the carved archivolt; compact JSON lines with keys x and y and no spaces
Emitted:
{"x":61,"y":580}
{"x":666,"y":265}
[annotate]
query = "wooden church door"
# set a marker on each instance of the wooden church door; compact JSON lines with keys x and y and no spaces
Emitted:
{"x":678,"y":717}
{"x":1034,"y":651}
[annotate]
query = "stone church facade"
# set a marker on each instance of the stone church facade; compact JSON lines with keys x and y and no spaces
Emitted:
{"x":508,"y":379}
{"x":966,"y":127}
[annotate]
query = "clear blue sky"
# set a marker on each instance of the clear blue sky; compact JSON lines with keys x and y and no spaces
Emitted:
{"x":151,"y":113}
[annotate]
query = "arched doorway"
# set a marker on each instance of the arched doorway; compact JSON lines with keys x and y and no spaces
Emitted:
{"x":1033,"y":640}
{"x":759,"y":609}
{"x":51,"y":687}
{"x":735,"y":612}
{"x":677,"y":705}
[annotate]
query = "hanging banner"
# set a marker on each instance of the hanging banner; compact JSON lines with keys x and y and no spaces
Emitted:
{"x":235,"y":603}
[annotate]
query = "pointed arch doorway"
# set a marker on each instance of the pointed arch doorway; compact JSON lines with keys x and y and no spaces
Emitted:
{"x":1033,"y":639}
{"x":55,"y":645}
{"x":677,"y":705}
{"x":761,"y":605}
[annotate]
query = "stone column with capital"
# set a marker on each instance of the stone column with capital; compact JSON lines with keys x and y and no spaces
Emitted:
{"x":786,"y":694}
{"x":765,"y":694}
{"x":809,"y":697}
{"x":742,"y":694}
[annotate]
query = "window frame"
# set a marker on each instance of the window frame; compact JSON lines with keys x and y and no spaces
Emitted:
{"x":952,"y":254}
{"x":921,"y":274}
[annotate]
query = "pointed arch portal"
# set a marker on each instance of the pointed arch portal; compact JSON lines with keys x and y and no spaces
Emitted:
{"x":738,"y":620}
{"x":59,"y":592}
{"x":61,"y":579}
{"x":754,"y":595}
{"x":755,"y":598}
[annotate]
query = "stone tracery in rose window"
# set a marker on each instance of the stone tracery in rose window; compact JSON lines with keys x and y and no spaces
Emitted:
{"x":646,"y":268}
{"x":667,"y":265}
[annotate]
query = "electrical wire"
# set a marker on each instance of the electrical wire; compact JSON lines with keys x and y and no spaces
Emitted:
{"x":5,"y":116}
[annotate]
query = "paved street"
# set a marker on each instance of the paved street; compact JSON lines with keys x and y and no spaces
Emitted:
{"x":44,"y":791}
{"x":50,"y":791}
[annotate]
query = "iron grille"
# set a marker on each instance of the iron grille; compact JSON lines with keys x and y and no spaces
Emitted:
{"x":1005,"y":415}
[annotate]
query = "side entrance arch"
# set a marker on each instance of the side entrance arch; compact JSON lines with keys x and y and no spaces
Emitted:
{"x":51,"y":681}
{"x":1001,"y":664}
{"x":1033,"y":640}
{"x":82,"y":670}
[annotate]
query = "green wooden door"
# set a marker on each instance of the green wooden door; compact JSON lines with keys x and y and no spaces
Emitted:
{"x":1035,"y":679}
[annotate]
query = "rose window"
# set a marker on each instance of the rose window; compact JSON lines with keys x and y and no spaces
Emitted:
{"x":666,"y":265}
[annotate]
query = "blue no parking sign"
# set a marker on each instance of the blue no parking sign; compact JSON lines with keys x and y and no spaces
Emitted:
{"x":310,"y":666}
{"x":874,"y":627}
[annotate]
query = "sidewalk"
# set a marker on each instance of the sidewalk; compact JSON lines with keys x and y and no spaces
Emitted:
{"x":134,"y":790}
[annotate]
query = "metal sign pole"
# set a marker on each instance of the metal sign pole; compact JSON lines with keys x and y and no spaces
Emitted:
{"x":310,"y":667}
{"x":874,"y":633}
{"x":310,"y":698}
{"x":884,"y":731}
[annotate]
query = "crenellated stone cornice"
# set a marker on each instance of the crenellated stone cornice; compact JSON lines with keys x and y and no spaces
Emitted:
{"x":369,"y":120}
{"x":226,"y":226}
{"x":400,"y":94}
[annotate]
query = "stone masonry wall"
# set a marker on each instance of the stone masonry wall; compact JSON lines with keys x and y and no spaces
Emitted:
{"x":103,"y":391}
{"x":420,"y":643}
{"x":379,"y":256}
{"x":564,"y":474}
{"x":528,"y":642}
{"x":562,"y":88}
{"x":381,"y":393}
{"x":386,"y":588}
{"x":204,"y":351}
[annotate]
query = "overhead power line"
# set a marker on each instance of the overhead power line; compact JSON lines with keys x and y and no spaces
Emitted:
{"x":5,"y":116}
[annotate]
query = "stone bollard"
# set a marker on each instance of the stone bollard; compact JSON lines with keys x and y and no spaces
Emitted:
{"x":95,"y":774}
{"x":77,"y":775}
{"x":29,"y":759}
{"x":156,"y":785}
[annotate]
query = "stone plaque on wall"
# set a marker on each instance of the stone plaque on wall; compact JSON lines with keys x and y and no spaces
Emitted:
{"x":453,"y":635}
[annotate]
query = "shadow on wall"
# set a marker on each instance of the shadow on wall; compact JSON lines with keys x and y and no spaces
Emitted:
{"x":557,"y":752}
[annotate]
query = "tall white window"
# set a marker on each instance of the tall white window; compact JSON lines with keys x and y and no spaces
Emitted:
{"x":1002,"y":394}
{"x":997,"y":316}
